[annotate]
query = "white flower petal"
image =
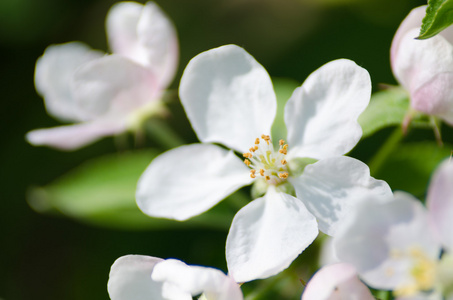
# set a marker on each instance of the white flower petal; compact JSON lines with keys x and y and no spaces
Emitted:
{"x":72,"y":137}
{"x":144,"y":34}
{"x":53,"y":77}
{"x":113,"y":86}
{"x":336,"y":282}
{"x":130,"y":279}
{"x":379,"y":238}
{"x":321,"y":115}
{"x":266,"y":235}
{"x":440,"y":203}
{"x":196,"y":280}
{"x":327,"y":255}
{"x":188,"y":180}
{"x":228,"y":97}
{"x":330,"y":187}
{"x":434,"y":295}
{"x":412,"y":20}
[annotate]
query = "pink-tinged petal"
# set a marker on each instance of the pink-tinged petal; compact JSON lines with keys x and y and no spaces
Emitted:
{"x":383,"y":240}
{"x":336,"y":282}
{"x":412,"y":20}
{"x":130,"y":279}
{"x":196,"y":280}
{"x":113,"y":86}
{"x":228,"y":97}
{"x":72,"y":137}
{"x":144,"y":33}
{"x":188,"y":180}
{"x":435,"y":97}
{"x":330,"y":187}
{"x":53,"y":77}
{"x":267,"y":234}
{"x":425,"y":69}
{"x":440,"y":203}
{"x":321,"y":115}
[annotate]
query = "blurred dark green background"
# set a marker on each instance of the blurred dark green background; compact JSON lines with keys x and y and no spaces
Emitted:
{"x":50,"y":257}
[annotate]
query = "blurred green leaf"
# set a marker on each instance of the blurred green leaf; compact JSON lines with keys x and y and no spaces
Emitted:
{"x":102,"y":192}
{"x":284,"y":88}
{"x":439,"y":15}
{"x":410,"y":166}
{"x":386,"y":108}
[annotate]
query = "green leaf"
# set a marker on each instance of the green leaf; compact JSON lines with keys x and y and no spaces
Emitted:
{"x":410,"y":166}
{"x":284,"y":88}
{"x":101,"y":192}
{"x":386,"y":108}
{"x":439,"y":15}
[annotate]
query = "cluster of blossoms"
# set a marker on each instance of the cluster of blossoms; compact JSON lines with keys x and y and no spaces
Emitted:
{"x":403,"y":246}
{"x":307,"y":185}
{"x":107,"y":94}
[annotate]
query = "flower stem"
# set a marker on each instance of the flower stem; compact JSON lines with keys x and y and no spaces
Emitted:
{"x":159,"y":131}
{"x":386,"y":149}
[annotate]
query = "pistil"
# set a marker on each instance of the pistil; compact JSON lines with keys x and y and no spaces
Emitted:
{"x":265,"y":162}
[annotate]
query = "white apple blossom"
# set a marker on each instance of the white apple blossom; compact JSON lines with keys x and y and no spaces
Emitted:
{"x":139,"y":277}
{"x":336,"y":282}
{"x":106,"y":95}
{"x":229,"y":99}
{"x":396,"y":245}
{"x":424,"y":67}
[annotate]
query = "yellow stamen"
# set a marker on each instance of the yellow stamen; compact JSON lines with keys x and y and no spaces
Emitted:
{"x":283,"y":151}
{"x":267,"y":178}
{"x":252,"y":149}
{"x":283,"y":161}
{"x":247,"y":162}
{"x":261,"y":172}
{"x":281,"y":142}
{"x":252,"y":173}
{"x":247,"y":154}
{"x":257,"y":141}
{"x":283,"y":175}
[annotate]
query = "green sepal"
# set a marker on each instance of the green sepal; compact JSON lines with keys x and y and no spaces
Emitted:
{"x":297,"y":166}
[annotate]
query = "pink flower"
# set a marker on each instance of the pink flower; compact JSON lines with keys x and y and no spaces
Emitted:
{"x":107,"y":94}
{"x":424,"y":67}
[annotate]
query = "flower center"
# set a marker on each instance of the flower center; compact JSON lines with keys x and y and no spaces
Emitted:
{"x":264,"y":161}
{"x":423,"y":273}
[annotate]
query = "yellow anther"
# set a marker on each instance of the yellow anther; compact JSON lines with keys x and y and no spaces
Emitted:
{"x":257,"y":141}
{"x":247,"y":154}
{"x":252,"y":149}
{"x":247,"y":162}
{"x":261,"y":172}
{"x":267,"y":177}
{"x":283,"y":161}
{"x":283,"y":151}
{"x":281,"y":142}
{"x":256,"y":148}
{"x":285,"y":147}
{"x":283,"y":175}
{"x":252,"y":173}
